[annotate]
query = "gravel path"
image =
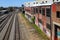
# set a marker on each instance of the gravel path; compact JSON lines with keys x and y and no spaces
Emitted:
{"x":27,"y":32}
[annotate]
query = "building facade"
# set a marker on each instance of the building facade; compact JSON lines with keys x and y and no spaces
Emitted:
{"x":47,"y":16}
{"x":56,"y":21}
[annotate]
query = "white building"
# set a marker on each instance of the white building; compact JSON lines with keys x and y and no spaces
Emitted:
{"x":49,"y":0}
{"x":38,"y":3}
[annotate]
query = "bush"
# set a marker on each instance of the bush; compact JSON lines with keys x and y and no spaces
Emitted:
{"x":23,"y":12}
{"x":39,"y":31}
{"x":33,"y":19}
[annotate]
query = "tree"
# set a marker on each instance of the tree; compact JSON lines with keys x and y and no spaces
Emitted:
{"x":1,"y":8}
{"x":10,"y":8}
{"x":23,"y":11}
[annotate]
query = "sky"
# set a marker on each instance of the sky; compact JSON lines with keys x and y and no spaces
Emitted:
{"x":18,"y":3}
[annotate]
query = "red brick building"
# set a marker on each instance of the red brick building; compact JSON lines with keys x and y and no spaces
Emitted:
{"x":47,"y":18}
{"x":56,"y":21}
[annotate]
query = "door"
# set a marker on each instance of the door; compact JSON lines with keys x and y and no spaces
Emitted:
{"x":57,"y":32}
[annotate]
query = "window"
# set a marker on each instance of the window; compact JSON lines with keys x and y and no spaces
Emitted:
{"x":42,"y":1}
{"x":53,"y":0}
{"x":40,"y":21}
{"x":36,"y":10}
{"x":39,"y":10}
{"x":57,"y":0}
{"x":48,"y":12}
{"x":46,"y":1}
{"x":48,"y":26}
{"x":58,"y":14}
{"x":28,"y":3}
{"x":36,"y":2}
{"x":43,"y":11}
{"x":57,"y":31}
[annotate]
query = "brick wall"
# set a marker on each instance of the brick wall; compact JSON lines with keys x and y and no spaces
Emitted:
{"x":55,"y":7}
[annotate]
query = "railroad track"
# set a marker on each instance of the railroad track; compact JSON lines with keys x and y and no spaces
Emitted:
{"x":7,"y":34}
{"x":4,"y":22}
{"x":3,"y":18}
{"x":1,"y":14}
{"x":17,"y":32}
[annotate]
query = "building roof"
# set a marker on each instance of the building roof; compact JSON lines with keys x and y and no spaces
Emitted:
{"x":3,"y":10}
{"x":36,"y":3}
{"x":42,"y":4}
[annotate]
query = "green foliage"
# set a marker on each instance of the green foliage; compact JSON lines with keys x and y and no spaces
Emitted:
{"x":39,"y":31}
{"x":33,"y":20}
{"x":1,"y":8}
{"x":11,"y":9}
